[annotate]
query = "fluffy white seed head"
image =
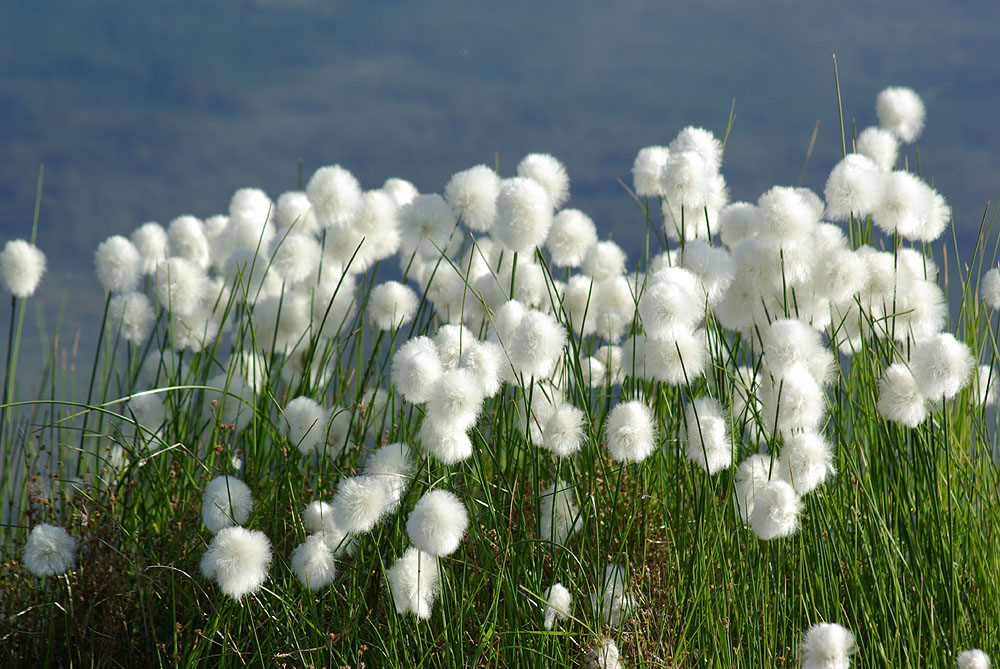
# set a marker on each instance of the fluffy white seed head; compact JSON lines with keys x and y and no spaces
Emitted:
{"x":180,"y":285}
{"x":793,"y":402}
{"x":973,"y":659}
{"x":413,"y":583}
{"x":334,"y":194}
{"x":752,"y":476}
{"x":306,"y":421}
{"x":941,"y":366}
{"x":473,"y":194}
{"x":455,"y":399}
{"x":313,"y":563}
{"x":572,"y":233}
{"x":393,"y":463}
{"x":438,"y":522}
{"x":685,"y":183}
{"x":786,"y":215}
{"x":237,"y":559}
{"x":550,"y":173}
{"x":444,"y":441}
{"x":186,"y":239}
{"x":415,"y":368}
{"x":701,"y":141}
{"x":50,"y":550}
{"x":712,"y":267}
{"x":294,"y":211}
{"x":392,"y":305}
{"x":631,"y":432}
{"x":647,"y":171}
{"x":484,"y":359}
{"x":150,"y":240}
{"x":132,"y":315}
{"x":880,"y":145}
{"x":676,"y":359}
{"x":806,"y":461}
{"x":604,"y":260}
{"x":296,"y":256}
{"x":776,"y":511}
{"x":451,"y":341}
{"x":986,"y":385}
{"x":537,"y":344}
{"x":789,"y":342}
{"x":855,"y":185}
{"x":227,"y":501}
{"x":558,"y":516}
{"x":558,"y":602}
{"x":899,"y":397}
{"x":524,"y":215}
{"x":827,"y":646}
{"x":739,"y":221}
{"x":427,"y":227}
{"x":360,"y":503}
{"x":901,"y":111}
{"x":21,"y":267}
{"x":318,"y":516}
{"x":612,"y":602}
{"x":905,"y":204}
{"x":118,"y":265}
{"x":604,"y":655}
{"x":231,"y":401}
{"x":400,"y":190}
{"x":706,"y":435}
{"x":672,"y":302}
{"x":562,"y":432}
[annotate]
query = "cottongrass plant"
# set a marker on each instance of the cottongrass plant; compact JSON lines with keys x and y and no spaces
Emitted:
{"x":356,"y":425}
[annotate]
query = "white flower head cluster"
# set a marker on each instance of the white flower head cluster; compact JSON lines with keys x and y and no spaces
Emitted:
{"x":21,"y":267}
{"x":827,"y":646}
{"x":237,"y":559}
{"x":227,"y":501}
{"x":613,"y":601}
{"x":414,"y":582}
{"x":973,"y":659}
{"x":49,"y":551}
{"x":558,"y":602}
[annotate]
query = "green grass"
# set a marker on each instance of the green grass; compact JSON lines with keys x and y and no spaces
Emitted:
{"x":902,"y":546}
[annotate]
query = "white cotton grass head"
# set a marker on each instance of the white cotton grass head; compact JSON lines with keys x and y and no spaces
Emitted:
{"x":880,"y":145}
{"x":237,"y":559}
{"x":827,"y":646}
{"x":21,"y":267}
{"x":306,"y":424}
{"x":806,"y":461}
{"x":293,"y":211}
{"x":49,"y":551}
{"x":400,"y":190}
{"x":563,"y":430}
{"x":706,"y":435}
{"x":711,"y":265}
{"x":413,"y":582}
{"x":150,"y":240}
{"x":455,"y":399}
{"x":604,"y":655}
{"x":786,"y":215}
{"x":473,"y":194}
{"x":484,"y":360}
{"x":360,"y":502}
{"x":901,"y":111}
{"x":840,"y":275}
{"x":855,"y":185}
{"x":451,"y":341}
{"x":313,"y":563}
{"x":739,"y":221}
{"x":146,"y":414}
{"x":524,"y":215}
{"x":685,"y":182}
{"x":905,"y":204}
{"x":394,"y":465}
{"x":392,"y":305}
{"x":131,"y":315}
{"x":788,"y":342}
{"x":676,"y":359}
{"x":986,"y":385}
{"x":227,"y":501}
{"x":612,"y":602}
{"x":604,"y":260}
{"x":427,"y":227}
{"x":672,"y":302}
{"x":631,"y":432}
{"x":250,"y":224}
{"x":752,"y":476}
{"x":558,"y":516}
{"x":701,"y":141}
{"x":776,"y":511}
{"x":334,"y":194}
{"x":917,"y":310}
{"x":415,"y":368}
{"x":558,"y":603}
{"x":899,"y":397}
{"x":537,"y":344}
{"x":989,"y":288}
{"x":296,"y":256}
{"x":118,"y":265}
{"x":444,"y":441}
{"x":186,"y":239}
{"x":571,"y":234}
{"x":180,"y":285}
{"x":941,"y":366}
{"x":612,"y":307}
{"x":793,"y":402}
{"x":318,"y":516}
{"x":549,"y":173}
{"x":973,"y":659}
{"x":647,"y":171}
{"x":438,"y":522}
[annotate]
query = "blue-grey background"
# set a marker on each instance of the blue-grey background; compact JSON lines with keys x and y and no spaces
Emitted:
{"x":149,"y":110}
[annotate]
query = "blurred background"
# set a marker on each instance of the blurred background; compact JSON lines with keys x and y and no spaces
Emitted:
{"x":147,"y":111}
